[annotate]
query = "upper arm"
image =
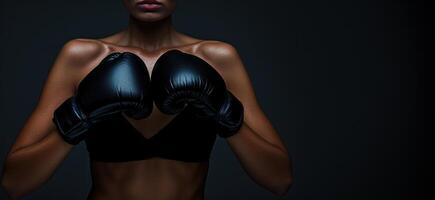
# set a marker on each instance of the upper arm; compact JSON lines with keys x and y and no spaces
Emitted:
{"x":58,"y":86}
{"x":228,"y":62}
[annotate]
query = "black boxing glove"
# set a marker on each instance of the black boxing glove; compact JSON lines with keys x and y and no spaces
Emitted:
{"x":180,"y":79}
{"x":120,"y":83}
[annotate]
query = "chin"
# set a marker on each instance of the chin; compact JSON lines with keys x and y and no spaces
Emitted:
{"x":150,"y":17}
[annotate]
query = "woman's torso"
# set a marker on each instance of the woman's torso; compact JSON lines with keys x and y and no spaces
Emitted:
{"x":153,"y":178}
{"x":167,"y":174}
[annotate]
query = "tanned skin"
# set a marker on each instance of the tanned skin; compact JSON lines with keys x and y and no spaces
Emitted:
{"x":38,"y":149}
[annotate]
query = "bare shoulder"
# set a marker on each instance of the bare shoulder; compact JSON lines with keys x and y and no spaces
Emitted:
{"x":221,"y":54}
{"x":77,"y":52}
{"x":225,"y":58}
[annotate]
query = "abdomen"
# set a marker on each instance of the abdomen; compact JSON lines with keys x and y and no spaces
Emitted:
{"x":153,"y":178}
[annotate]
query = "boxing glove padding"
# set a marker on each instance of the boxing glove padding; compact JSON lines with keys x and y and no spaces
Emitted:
{"x":230,"y":116}
{"x":179,"y":79}
{"x":120,"y":83}
{"x":70,"y":121}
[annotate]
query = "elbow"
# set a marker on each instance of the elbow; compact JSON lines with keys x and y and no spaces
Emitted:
{"x":283,"y":186}
{"x":10,"y":188}
{"x":284,"y":182}
{"x":6,"y":186}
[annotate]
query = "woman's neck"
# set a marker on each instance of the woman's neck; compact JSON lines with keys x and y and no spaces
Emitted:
{"x":149,"y":36}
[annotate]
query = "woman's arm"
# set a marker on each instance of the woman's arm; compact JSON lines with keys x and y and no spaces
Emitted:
{"x":257,"y":145}
{"x":39,"y":149}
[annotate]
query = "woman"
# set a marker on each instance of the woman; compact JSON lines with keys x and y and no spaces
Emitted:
{"x":118,"y":170}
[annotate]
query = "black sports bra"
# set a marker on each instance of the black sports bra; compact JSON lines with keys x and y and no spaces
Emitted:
{"x":186,"y":138}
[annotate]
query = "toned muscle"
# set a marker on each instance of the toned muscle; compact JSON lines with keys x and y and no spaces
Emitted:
{"x":225,"y":59}
{"x":140,"y":179}
{"x":146,"y":137}
{"x":38,"y":144}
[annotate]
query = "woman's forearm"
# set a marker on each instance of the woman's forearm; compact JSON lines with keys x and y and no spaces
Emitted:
{"x":265,"y":163}
{"x":29,"y":167}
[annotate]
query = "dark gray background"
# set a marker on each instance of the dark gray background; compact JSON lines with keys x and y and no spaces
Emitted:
{"x":344,"y":82}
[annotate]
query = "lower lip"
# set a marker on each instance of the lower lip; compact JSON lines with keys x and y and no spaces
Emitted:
{"x":149,"y":6}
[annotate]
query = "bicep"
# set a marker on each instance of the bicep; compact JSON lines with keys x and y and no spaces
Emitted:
{"x":239,"y":83}
{"x":57,"y":87}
